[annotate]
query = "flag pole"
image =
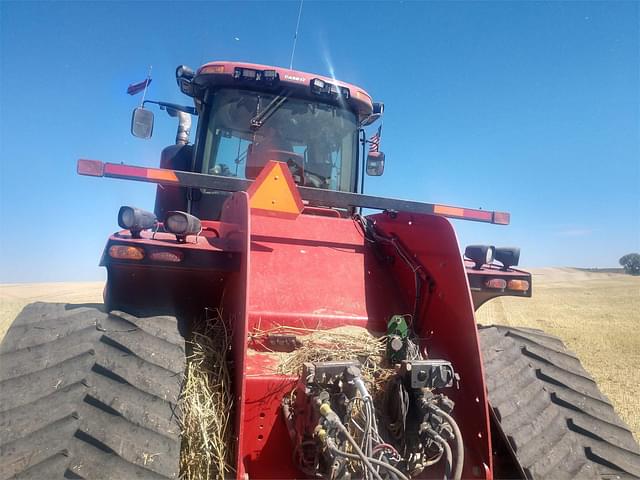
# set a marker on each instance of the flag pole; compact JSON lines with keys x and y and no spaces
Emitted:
{"x":144,"y":93}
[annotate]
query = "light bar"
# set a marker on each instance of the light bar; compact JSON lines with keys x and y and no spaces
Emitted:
{"x":159,"y":174}
{"x":499,"y":218}
{"x":317,"y":196}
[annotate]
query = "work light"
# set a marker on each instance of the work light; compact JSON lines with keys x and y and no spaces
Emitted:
{"x":182,"y":224}
{"x":480,"y":254}
{"x":184,"y":72}
{"x":245,"y":74}
{"x":135,"y":220}
{"x":320,"y":87}
{"x":270,"y":76}
{"x":508,"y":256}
{"x":184,"y":77}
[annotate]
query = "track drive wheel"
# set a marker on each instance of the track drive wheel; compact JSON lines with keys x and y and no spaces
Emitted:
{"x":552,"y":413}
{"x":86,"y":394}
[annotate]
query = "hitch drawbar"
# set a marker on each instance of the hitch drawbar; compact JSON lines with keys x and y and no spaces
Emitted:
{"x":316,"y":196}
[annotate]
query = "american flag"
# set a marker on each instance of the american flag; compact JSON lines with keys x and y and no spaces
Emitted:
{"x":374,"y":141}
{"x":138,"y":87}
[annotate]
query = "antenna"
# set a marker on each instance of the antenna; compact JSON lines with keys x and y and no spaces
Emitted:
{"x":295,"y":36}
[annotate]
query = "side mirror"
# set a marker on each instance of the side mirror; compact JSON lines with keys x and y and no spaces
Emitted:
{"x":142,"y":123}
{"x":375,"y":164}
{"x":370,"y":119}
{"x":377,"y":111}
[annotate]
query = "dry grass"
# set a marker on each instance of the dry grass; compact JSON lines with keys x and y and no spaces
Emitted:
{"x":206,"y":405}
{"x":342,"y":343}
{"x":597,"y":315}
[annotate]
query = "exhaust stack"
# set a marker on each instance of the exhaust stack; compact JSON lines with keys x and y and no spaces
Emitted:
{"x":184,"y":128}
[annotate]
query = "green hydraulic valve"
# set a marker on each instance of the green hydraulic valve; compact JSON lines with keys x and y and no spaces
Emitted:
{"x":397,"y":339}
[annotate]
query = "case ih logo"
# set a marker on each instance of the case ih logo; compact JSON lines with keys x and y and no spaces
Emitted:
{"x":295,"y":79}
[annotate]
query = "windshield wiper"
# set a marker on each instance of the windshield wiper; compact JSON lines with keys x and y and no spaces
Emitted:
{"x":262,"y":116}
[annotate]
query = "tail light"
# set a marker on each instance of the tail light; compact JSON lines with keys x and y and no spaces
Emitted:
{"x":496,"y":283}
{"x":166,"y":256}
{"x":519,"y":285}
{"x":125,"y":252}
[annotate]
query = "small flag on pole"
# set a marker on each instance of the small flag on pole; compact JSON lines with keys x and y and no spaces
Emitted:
{"x":136,"y":88}
{"x":374,"y":141}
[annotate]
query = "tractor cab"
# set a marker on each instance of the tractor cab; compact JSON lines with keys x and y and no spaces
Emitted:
{"x":252,"y":114}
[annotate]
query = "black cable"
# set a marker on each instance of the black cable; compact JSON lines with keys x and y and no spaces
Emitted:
{"x":419,"y":272}
{"x":457,"y":474}
{"x":449,"y":459}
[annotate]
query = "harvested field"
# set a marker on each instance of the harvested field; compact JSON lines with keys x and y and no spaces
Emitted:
{"x":15,"y":296}
{"x":596,"y":314}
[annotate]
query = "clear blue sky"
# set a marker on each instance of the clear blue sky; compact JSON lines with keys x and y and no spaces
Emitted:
{"x":531,"y":108}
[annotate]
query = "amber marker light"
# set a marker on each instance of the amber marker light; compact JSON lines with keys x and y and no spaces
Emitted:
{"x":213,"y":69}
{"x":501,"y":218}
{"x":519,"y":285}
{"x":92,"y":168}
{"x":125,"y":252}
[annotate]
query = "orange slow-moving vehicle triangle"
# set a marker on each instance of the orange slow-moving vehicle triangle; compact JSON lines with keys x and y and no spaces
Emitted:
{"x":275,"y":193}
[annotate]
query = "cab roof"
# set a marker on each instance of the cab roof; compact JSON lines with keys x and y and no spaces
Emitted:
{"x":252,"y":76}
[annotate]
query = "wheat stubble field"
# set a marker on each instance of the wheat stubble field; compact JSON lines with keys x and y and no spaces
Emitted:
{"x":596,"y":314}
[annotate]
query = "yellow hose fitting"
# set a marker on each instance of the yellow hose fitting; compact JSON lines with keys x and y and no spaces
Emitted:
{"x":325,"y":409}
{"x":320,"y":433}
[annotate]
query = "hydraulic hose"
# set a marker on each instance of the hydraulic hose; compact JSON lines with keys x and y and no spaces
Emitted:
{"x":457,"y":473}
{"x":325,"y":411}
{"x":449,"y":460}
{"x":366,"y":460}
{"x":286,"y":411}
{"x":375,"y":461}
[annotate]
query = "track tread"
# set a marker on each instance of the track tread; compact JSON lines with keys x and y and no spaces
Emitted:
{"x":86,"y":394}
{"x":48,"y":330}
{"x":556,"y":419}
{"x":32,"y":359}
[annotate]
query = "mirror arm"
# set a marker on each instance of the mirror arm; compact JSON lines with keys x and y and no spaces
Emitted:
{"x":173,"y":106}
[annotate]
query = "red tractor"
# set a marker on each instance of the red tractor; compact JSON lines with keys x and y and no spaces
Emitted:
{"x":261,"y":220}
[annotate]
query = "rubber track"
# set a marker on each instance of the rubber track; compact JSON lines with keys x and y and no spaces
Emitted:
{"x":85,"y":394}
{"x":551,"y":411}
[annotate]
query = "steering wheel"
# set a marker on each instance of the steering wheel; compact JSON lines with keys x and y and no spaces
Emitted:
{"x":314,"y":180}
